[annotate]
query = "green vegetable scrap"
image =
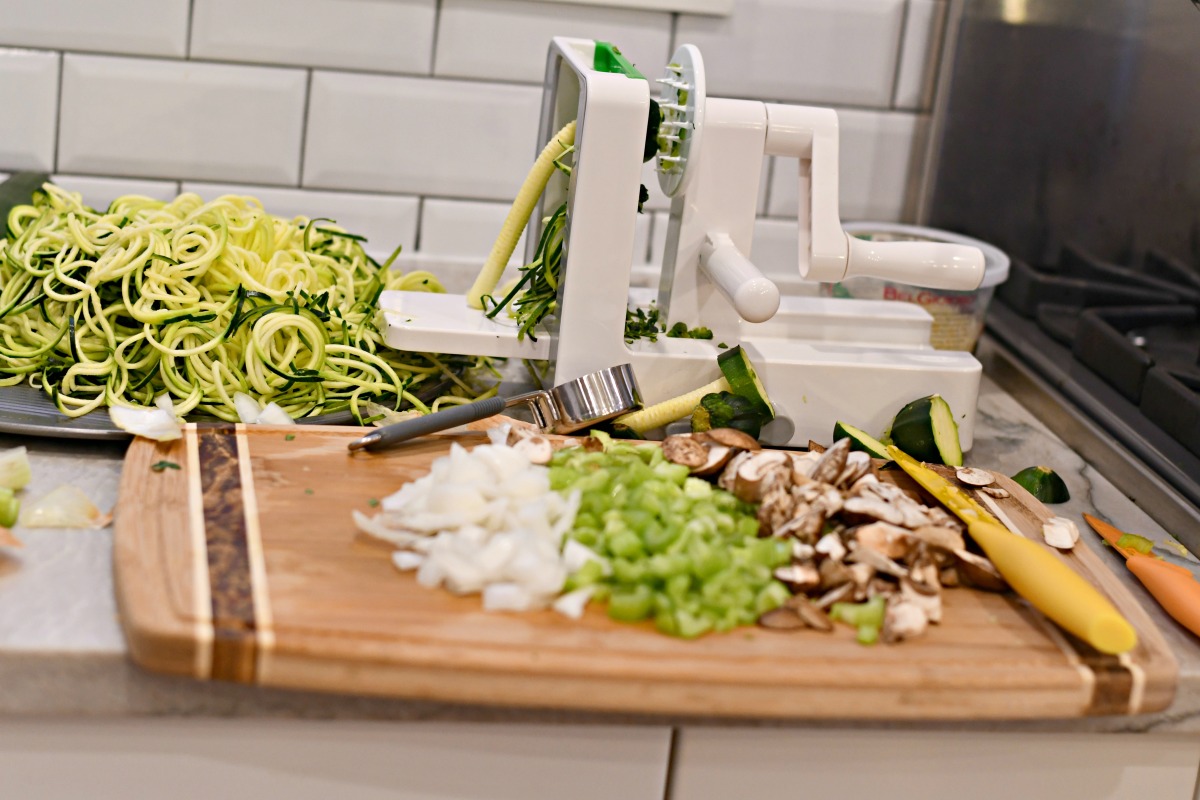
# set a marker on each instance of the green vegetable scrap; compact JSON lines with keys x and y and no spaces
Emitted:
{"x":866,"y":617}
{"x":680,"y":330}
{"x":670,"y":547}
{"x":728,"y":410}
{"x":159,"y":466}
{"x":10,"y":507}
{"x":1135,"y":542}
{"x":1044,"y":484}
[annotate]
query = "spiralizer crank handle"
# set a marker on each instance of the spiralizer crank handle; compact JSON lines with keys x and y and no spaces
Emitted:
{"x":431,"y":423}
{"x":753,"y":295}
{"x":936,"y":265}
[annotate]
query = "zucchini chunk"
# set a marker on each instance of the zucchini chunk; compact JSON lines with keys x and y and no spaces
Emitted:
{"x":926,"y":430}
{"x":1043,"y":483}
{"x":860,"y":440}
{"x":743,"y":380}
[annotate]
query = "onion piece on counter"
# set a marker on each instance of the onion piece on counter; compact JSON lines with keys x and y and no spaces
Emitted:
{"x":64,"y":507}
{"x":486,"y":521}
{"x":251,"y":412}
{"x":14,"y":468}
{"x":157,"y":423}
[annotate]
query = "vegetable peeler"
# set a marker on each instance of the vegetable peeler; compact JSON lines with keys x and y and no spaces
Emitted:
{"x":1174,"y":587}
{"x":1048,"y":584}
{"x":588,"y":400}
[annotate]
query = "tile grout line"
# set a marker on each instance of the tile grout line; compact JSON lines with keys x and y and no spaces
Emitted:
{"x":672,"y":764}
{"x":304,"y":120}
{"x":191,"y":23}
{"x":900,"y":53}
{"x":62,"y":68}
{"x":437,"y":29}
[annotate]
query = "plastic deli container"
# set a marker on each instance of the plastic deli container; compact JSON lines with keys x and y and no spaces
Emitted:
{"x":957,"y":316}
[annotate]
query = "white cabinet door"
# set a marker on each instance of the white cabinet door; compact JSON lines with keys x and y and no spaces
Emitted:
{"x":252,"y":759}
{"x":717,"y":764}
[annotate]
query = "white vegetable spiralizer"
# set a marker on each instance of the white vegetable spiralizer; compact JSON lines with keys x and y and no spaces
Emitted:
{"x":821,"y":359}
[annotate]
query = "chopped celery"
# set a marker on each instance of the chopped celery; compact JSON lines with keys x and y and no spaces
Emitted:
{"x":631,"y":604}
{"x":866,"y":617}
{"x":10,"y":507}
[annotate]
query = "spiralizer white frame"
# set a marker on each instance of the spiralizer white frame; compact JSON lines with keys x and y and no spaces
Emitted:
{"x":821,"y":359}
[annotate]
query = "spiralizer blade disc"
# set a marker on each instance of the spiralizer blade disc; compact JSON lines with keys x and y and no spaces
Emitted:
{"x":682,"y":106}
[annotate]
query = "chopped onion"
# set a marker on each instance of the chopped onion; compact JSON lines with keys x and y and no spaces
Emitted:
{"x":151,"y":423}
{"x":273,"y":414}
{"x":65,"y":507}
{"x":14,"y":468}
{"x":247,"y":407}
{"x":483,"y":520}
{"x":573,"y":603}
{"x":406,"y":560}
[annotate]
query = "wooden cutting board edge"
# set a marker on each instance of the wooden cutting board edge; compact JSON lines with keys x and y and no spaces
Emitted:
{"x":178,"y":637}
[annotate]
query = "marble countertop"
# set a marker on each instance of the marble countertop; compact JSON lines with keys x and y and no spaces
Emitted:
{"x":62,"y":651}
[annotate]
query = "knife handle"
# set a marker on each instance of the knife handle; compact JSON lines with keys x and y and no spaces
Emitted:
{"x":1178,"y":594}
{"x":1055,"y":589}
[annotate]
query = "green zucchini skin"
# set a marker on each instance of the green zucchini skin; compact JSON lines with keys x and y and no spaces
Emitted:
{"x":743,"y":380}
{"x":926,"y":430}
{"x":860,"y":440}
{"x":1043,"y":483}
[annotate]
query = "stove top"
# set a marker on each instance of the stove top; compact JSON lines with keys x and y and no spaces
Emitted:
{"x":1119,"y":342}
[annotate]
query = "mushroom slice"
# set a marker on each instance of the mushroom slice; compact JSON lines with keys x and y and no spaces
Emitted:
{"x":755,"y":472}
{"x":802,"y":551}
{"x":979,"y":572}
{"x":831,"y":545}
{"x":890,"y":541}
{"x":729,"y":437}
{"x":782,"y":619}
{"x":776,"y":509}
{"x":834,"y":595}
{"x":799,"y":577}
{"x":975,"y":477}
{"x":718,"y":457}
{"x":832,"y":462}
{"x":995,"y":491}
{"x":1060,"y":532}
{"x":536,"y":448}
{"x":805,"y":609}
{"x":681,"y":448}
{"x":872,"y":506}
{"x":928,"y":598}
{"x":857,"y":465}
{"x":834,"y":573}
{"x":947,"y":539}
{"x":903,"y":620}
{"x":806,"y":522}
{"x":861,"y":554}
{"x":802,"y":464}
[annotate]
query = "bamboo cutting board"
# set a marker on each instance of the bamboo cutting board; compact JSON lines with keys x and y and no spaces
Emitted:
{"x":244,"y":565}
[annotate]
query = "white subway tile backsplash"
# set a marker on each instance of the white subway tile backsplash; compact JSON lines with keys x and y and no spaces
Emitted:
{"x":378,"y":35}
{"x":879,"y":151}
{"x":100,"y":192}
{"x":918,"y":54}
{"x":190,"y":120}
{"x":143,"y":27}
{"x":386,"y":220}
{"x":420,"y":135}
{"x":28,"y":108}
{"x":464,"y":229}
{"x":508,"y":39}
{"x":812,"y":51}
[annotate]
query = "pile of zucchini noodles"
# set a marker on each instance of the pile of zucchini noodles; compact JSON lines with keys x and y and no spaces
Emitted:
{"x":203,"y":300}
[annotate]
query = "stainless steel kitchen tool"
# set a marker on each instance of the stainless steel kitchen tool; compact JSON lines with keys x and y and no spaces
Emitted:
{"x":588,"y":400}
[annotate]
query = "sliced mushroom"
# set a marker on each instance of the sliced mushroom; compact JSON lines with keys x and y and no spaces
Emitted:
{"x":873,"y":507}
{"x":903,"y":620}
{"x":802,"y":464}
{"x":729,"y":437}
{"x":948,"y":578}
{"x":718,"y":457}
{"x":857,"y":465}
{"x":890,"y":541}
{"x":927,"y":598}
{"x":799,"y":577}
{"x":782,"y":619}
{"x":947,"y":539}
{"x":802,"y":551}
{"x":979,"y":572}
{"x":805,"y":609}
{"x":753,"y":472}
{"x":835,"y":595}
{"x":876,"y":560}
{"x":1060,"y":532}
{"x":806,"y":522}
{"x":776,"y":509}
{"x":832,"y":462}
{"x":996,"y":492}
{"x":834,"y":573}
{"x":681,"y":448}
{"x":975,"y":477}
{"x":536,"y":448}
{"x":831,"y":545}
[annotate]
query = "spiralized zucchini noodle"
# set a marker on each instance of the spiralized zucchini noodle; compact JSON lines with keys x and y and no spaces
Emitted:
{"x":201,"y":301}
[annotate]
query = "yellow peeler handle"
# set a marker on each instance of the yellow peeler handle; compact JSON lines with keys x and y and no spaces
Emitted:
{"x":1055,"y":589}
